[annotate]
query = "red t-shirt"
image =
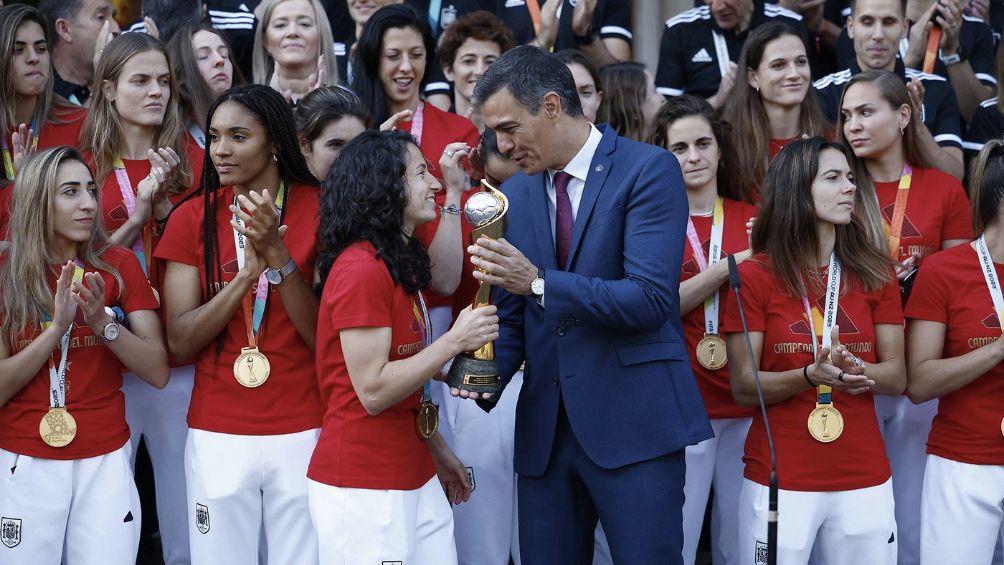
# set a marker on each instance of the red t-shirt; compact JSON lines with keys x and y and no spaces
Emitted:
{"x":6,"y":199}
{"x":951,"y":290}
{"x":936,"y":210}
{"x":439,"y":130}
{"x":356,"y":450}
{"x":776,"y":145}
{"x":857,"y":458}
{"x":714,"y":385}
{"x":288,"y":402}
{"x":93,"y":377}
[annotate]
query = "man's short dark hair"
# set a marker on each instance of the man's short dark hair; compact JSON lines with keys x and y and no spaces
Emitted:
{"x":529,"y":73}
{"x":170,"y":15}
{"x":56,"y":9}
{"x":902,"y":7}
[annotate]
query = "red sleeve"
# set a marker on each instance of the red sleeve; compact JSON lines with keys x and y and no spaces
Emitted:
{"x":752,"y":277}
{"x":957,"y":212}
{"x":137,"y":294}
{"x":361,"y":295}
{"x":929,"y":299}
{"x":6,"y":190}
{"x":888,"y":309}
{"x":181,"y":242}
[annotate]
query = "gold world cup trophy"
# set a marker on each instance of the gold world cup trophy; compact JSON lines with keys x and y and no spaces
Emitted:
{"x":475,"y":371}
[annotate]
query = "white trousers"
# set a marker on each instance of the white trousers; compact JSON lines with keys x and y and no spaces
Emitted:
{"x":485,"y":527}
{"x":961,"y":513}
{"x":391,"y":527}
{"x":242,"y":486}
{"x":852,"y":527}
{"x":78,"y":512}
{"x":715,"y":462}
{"x":159,"y":416}
{"x":905,"y":427}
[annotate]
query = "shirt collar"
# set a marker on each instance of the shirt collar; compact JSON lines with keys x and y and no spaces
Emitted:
{"x":578,"y":167}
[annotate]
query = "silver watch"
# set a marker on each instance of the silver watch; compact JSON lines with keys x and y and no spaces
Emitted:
{"x":110,"y":332}
{"x":276,"y":276}
{"x":537,"y":285}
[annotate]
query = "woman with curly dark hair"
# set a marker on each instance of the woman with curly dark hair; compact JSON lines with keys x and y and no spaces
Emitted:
{"x":468,"y":47}
{"x":239,"y":257}
{"x":692,"y":130}
{"x":373,"y":493}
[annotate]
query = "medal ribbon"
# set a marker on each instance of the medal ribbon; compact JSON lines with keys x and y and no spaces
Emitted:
{"x":715,"y":253}
{"x":261,"y":296}
{"x":8,"y":159}
{"x":933,"y":39}
{"x":426,"y":325}
{"x":418,"y":123}
{"x":198,"y":135}
{"x":823,"y":392}
{"x":57,"y":376}
{"x":899,"y":210}
{"x":721,"y":52}
{"x":533,"y":7}
{"x":990,"y":274}
{"x":142,"y":247}
{"x":435,"y":6}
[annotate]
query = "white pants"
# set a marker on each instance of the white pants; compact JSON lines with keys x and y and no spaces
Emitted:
{"x":852,"y":527}
{"x":905,"y":427}
{"x":159,"y":416}
{"x":485,"y":527}
{"x":393,"y":527}
{"x":78,"y":512}
{"x":240,"y":486}
{"x":961,"y":512}
{"x":717,"y":461}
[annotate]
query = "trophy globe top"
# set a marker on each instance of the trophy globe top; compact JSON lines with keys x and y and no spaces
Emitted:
{"x":482,"y":208}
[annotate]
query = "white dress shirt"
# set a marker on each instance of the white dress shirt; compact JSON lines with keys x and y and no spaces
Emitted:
{"x":578,"y":168}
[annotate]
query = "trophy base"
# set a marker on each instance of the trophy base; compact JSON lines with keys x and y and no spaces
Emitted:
{"x":474,"y":375}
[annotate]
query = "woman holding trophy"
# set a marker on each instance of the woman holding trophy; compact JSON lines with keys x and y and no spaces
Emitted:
{"x":379,"y":451}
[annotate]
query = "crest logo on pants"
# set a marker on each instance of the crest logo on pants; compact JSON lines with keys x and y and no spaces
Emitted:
{"x":470,"y":475}
{"x":760,"y":555}
{"x":202,"y":518}
{"x":10,"y":531}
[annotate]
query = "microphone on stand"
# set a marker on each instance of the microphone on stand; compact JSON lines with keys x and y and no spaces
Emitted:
{"x":772,"y":489}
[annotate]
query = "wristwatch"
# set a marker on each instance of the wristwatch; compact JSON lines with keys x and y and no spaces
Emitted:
{"x":537,"y":284}
{"x":952,"y":59}
{"x":110,"y":332}
{"x":276,"y":276}
{"x":586,"y":39}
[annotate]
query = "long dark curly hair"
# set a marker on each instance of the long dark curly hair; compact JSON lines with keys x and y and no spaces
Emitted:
{"x":363,"y":199}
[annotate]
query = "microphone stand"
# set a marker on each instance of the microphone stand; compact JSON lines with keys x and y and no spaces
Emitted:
{"x":772,"y":489}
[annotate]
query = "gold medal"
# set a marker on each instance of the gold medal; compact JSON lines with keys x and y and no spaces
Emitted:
{"x":251,"y":368}
{"x":57,"y":428}
{"x":428,"y":420}
{"x":825,"y":423}
{"x":711,"y":352}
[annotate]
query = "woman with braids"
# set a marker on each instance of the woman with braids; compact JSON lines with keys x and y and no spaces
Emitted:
{"x":239,"y":257}
{"x":374,"y":496}
{"x":719,"y":208}
{"x":772,"y":102}
{"x":955,"y":354}
{"x":200,"y":56}
{"x":68,"y":492}
{"x":921,"y":210}
{"x":826,"y":328}
{"x":138,"y":149}
{"x":327,"y":119}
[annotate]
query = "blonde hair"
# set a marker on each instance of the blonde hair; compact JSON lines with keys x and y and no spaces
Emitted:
{"x":102,"y":130}
{"x":25,"y":298}
{"x":262,"y":62}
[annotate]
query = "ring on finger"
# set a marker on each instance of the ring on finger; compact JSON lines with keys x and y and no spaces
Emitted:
{"x":840,"y":377}
{"x":449,"y":153}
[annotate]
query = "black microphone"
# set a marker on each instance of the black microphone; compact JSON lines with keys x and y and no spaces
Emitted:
{"x":772,"y":489}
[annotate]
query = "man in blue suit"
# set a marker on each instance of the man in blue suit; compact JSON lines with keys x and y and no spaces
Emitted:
{"x":587,"y":281}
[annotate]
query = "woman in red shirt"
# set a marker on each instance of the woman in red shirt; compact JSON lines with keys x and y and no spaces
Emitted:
{"x":825,"y":325}
{"x":239,"y":257}
{"x":69,"y":492}
{"x":955,"y":355}
{"x":921,"y":210}
{"x":719,"y":209}
{"x":772,"y":101}
{"x":374,"y":496}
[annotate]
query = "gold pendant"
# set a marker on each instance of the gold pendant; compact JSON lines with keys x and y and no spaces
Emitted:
{"x":711,"y":352}
{"x":57,"y":428}
{"x":428,"y":420}
{"x":251,"y":368}
{"x":825,"y":423}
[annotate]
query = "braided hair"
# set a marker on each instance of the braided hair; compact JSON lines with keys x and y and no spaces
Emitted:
{"x":270,"y":110}
{"x":363,"y":199}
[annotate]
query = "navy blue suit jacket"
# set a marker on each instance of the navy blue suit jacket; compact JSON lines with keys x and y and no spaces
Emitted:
{"x":609,"y":340}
